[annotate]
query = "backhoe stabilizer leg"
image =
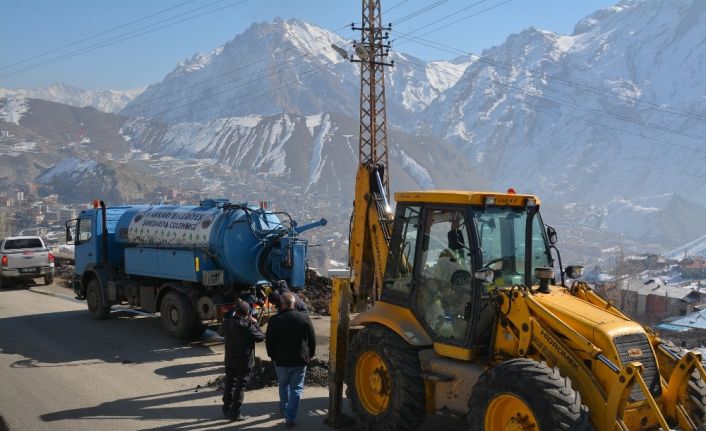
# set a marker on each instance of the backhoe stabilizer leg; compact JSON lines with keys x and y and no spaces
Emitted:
{"x":683,"y":369}
{"x":340,"y":323}
{"x":617,"y":397}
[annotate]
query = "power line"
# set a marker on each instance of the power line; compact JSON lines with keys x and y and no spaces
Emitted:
{"x":395,"y":6}
{"x":517,"y":99}
{"x":584,"y":87}
{"x":110,"y":30}
{"x":126,"y":36}
{"x":450,"y":15}
{"x":508,"y":66}
{"x":419,"y":12}
{"x":228,"y":72}
{"x":225,"y":89}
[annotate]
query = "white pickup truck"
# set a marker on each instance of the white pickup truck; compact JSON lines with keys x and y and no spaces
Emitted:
{"x":25,"y":257}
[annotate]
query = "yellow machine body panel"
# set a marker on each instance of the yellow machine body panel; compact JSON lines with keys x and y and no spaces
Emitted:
{"x":399,"y":319}
{"x":461,"y":197}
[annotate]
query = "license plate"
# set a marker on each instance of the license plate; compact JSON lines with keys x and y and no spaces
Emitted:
{"x":28,"y":270}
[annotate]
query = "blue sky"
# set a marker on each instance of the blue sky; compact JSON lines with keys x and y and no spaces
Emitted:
{"x":32,"y":27}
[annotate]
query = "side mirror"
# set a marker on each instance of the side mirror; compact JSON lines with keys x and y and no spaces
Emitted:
{"x":486,"y":275}
{"x":551,"y":235}
{"x":69,"y":237}
{"x":574,"y":271}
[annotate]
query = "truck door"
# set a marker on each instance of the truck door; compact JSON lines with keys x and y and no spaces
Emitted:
{"x":85,"y":247}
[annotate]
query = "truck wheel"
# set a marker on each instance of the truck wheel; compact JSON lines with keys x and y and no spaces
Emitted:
{"x":178,"y":316}
{"x":524,"y":394}
{"x":48,"y":279}
{"x":384,"y":381}
{"x":94,"y":299}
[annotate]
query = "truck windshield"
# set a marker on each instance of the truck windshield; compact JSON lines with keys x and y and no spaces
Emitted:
{"x":501,"y":235}
{"x":20,"y":243}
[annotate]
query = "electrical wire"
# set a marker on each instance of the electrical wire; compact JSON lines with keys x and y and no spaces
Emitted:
{"x":110,"y":30}
{"x":125,"y":36}
{"x":543,"y":75}
{"x":419,"y":12}
{"x":222,"y":90}
{"x":602,"y":125}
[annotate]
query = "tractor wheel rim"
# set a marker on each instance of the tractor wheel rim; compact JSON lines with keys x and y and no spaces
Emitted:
{"x":508,"y":412}
{"x":372,"y":382}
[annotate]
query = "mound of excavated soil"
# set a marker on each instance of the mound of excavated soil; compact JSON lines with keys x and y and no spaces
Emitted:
{"x":264,"y":375}
{"x":317,"y":293}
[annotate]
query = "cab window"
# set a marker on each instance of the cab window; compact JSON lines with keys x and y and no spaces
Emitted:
{"x":444,"y":287}
{"x":400,"y":261}
{"x":501,"y":237}
{"x":84,"y":230}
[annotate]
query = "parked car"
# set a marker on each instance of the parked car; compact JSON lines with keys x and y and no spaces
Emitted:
{"x":25,"y":257}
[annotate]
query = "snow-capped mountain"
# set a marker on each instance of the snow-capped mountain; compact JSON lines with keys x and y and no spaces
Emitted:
{"x":103,"y":100}
{"x":613,"y":111}
{"x":285,"y":67}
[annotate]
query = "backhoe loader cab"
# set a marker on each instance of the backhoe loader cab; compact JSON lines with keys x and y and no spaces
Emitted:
{"x":471,"y":322}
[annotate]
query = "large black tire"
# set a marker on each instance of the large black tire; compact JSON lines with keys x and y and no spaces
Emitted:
{"x":403,"y":384}
{"x":178,"y":316}
{"x":552,"y":401}
{"x":48,"y":279}
{"x":695,"y":395}
{"x":94,"y":299}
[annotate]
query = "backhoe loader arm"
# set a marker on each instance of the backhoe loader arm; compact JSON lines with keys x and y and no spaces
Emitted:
{"x":369,"y":236}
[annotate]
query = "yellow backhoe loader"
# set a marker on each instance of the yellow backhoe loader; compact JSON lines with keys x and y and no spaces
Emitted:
{"x":459,"y":313}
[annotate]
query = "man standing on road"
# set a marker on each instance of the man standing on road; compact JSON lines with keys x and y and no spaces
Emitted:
{"x":291,"y":343}
{"x":241,"y":332}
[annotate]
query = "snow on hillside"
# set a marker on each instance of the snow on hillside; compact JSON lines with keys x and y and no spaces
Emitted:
{"x":286,"y":67}
{"x":103,"y":100}
{"x":12,"y":108}
{"x":615,"y":110}
{"x":72,"y":168}
{"x":693,"y":248}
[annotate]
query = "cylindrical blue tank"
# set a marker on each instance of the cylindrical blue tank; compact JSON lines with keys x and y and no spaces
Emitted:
{"x":249,"y":243}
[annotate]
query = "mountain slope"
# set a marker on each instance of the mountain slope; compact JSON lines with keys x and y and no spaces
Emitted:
{"x":613,"y":111}
{"x":317,"y":152}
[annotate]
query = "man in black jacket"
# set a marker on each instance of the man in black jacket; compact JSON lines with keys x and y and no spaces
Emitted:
{"x":280,"y":288}
{"x":291,"y":343}
{"x":241,"y":332}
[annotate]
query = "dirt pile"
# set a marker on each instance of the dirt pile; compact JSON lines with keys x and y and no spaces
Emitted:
{"x":317,"y":293}
{"x":264,"y":375}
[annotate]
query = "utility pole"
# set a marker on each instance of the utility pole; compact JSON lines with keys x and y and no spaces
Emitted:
{"x":372,"y":51}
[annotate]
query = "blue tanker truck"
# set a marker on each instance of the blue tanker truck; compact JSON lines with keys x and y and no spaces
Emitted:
{"x":189,"y":263}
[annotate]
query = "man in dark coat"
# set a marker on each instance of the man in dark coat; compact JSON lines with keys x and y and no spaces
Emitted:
{"x":280,"y":288}
{"x":291,"y":343}
{"x":241,"y":332}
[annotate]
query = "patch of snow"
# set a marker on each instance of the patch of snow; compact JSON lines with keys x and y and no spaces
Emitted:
{"x":13,"y":108}
{"x":72,"y":167}
{"x":316,"y":163}
{"x":416,"y":171}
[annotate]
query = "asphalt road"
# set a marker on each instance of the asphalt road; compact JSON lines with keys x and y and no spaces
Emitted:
{"x":61,"y":370}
